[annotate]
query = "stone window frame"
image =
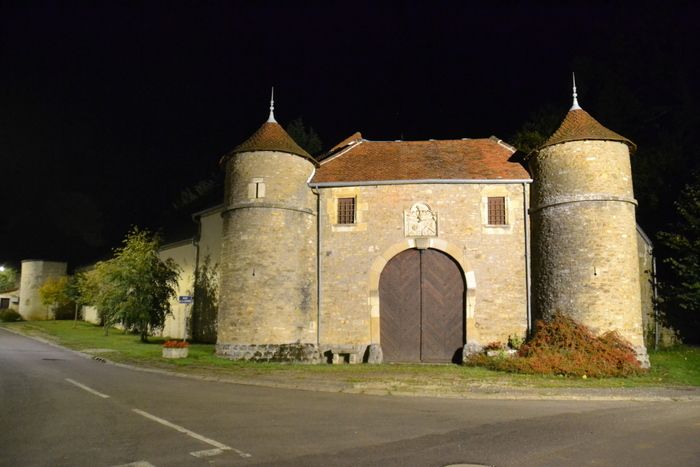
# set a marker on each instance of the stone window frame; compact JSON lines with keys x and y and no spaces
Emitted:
{"x":496,"y":191}
{"x":331,"y":202}
{"x":256,"y":189}
{"x":496,"y":211}
{"x":343,"y":205}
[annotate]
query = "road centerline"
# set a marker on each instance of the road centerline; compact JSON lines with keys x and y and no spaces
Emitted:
{"x":191,"y":433}
{"x":86,"y":388}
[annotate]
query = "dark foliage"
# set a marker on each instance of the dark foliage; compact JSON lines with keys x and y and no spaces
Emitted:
{"x":206,"y":303}
{"x":681,"y":304}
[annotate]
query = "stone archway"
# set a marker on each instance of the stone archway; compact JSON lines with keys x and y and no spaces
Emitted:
{"x":422,"y":297}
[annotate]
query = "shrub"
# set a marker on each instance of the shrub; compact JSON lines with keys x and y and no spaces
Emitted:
{"x":514,"y":342}
{"x":495,"y":345}
{"x":10,"y":316}
{"x":562,"y":346}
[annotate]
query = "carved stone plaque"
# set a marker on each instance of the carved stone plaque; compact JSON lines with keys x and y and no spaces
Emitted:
{"x":420,"y":221}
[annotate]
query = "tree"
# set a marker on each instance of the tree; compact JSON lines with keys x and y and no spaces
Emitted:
{"x":539,"y":126}
{"x":8,"y":278}
{"x":304,"y":136}
{"x":206,"y":304}
{"x":92,"y":288}
{"x":682,"y":291}
{"x":55,"y":293}
{"x":134,"y":288}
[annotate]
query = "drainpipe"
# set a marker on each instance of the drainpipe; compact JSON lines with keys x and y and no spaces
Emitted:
{"x":195,"y":242}
{"x":654,"y":285}
{"x":526,"y":217}
{"x":318,"y":265}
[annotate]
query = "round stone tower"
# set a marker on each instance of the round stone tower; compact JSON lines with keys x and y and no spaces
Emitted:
{"x":33,"y":274}
{"x":267,"y":293}
{"x":584,"y":238}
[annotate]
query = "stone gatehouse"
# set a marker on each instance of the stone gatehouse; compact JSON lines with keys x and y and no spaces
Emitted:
{"x":420,"y":251}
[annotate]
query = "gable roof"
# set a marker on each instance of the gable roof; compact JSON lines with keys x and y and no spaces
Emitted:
{"x":360,"y":160}
{"x":270,"y":137}
{"x":578,"y":125}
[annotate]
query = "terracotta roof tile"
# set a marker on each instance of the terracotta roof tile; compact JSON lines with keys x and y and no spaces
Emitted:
{"x":578,"y":125}
{"x":270,"y":137}
{"x":468,"y":159}
{"x":354,"y":138}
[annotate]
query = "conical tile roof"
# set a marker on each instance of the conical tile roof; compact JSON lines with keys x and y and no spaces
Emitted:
{"x":578,"y":125}
{"x":270,"y":137}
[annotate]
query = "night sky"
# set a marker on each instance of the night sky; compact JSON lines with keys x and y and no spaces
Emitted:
{"x":108,"y":110}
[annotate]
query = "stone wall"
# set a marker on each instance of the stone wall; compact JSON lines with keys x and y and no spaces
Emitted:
{"x":656,"y":335}
{"x":211,"y":228}
{"x":584,"y":239}
{"x":268,"y":265}
{"x":184,"y":254}
{"x":353,"y":256}
{"x":32,"y":276}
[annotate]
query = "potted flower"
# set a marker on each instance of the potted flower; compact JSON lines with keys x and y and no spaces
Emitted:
{"x":175,"y":349}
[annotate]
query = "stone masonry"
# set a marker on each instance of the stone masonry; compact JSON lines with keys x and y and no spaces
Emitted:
{"x":353,"y":257}
{"x":300,"y":282}
{"x":584,"y":239}
{"x":33,"y":275}
{"x":268,"y":267}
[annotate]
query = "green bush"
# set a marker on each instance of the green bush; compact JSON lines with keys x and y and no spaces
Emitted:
{"x":562,"y":346}
{"x":10,"y":316}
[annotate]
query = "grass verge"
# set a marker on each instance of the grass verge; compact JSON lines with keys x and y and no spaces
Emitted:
{"x":674,"y":367}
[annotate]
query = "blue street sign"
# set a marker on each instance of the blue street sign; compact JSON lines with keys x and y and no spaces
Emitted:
{"x":187,"y":299}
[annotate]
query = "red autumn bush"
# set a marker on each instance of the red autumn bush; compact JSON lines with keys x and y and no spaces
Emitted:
{"x":562,"y":346}
{"x":494,"y":346}
{"x":176,"y":344}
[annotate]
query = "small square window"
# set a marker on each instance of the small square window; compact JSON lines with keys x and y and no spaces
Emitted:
{"x":256,"y":188}
{"x":497,"y":210}
{"x":346,"y":210}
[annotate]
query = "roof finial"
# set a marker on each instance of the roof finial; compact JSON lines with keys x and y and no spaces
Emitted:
{"x":575,"y":106}
{"x":271,"y":118}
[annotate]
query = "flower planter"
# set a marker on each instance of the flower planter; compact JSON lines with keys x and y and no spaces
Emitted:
{"x":175,"y":352}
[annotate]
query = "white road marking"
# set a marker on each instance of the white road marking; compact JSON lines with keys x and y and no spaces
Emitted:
{"x":85,"y":388}
{"x":207,"y":453}
{"x":136,"y":464}
{"x":192,"y":434}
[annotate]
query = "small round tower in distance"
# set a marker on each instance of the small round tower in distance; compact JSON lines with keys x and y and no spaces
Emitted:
{"x":267,"y":290}
{"x":32,"y":276}
{"x":584,"y":238}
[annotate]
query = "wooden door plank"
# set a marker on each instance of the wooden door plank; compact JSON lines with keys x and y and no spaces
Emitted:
{"x":399,"y":308}
{"x":442,"y":307}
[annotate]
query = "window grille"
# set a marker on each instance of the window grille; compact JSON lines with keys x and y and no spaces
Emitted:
{"x":346,"y":210}
{"x":497,"y":210}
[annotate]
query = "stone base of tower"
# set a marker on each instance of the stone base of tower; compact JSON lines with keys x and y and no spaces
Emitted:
{"x":286,"y":353}
{"x":642,"y":356}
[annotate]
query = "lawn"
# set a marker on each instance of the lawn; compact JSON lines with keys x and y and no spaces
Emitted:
{"x":679,"y":366}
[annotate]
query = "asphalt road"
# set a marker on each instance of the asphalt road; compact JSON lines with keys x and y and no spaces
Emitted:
{"x":58,"y":408}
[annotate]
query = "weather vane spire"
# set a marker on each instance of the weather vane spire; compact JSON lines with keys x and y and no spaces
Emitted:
{"x":271,"y":118}
{"x":575,"y":106}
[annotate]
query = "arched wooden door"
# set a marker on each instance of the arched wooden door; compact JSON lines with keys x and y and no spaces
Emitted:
{"x":421,"y":307}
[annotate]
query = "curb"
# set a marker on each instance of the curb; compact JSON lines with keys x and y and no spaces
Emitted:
{"x":484,"y":392}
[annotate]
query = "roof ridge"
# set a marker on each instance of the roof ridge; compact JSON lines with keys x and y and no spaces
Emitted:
{"x":425,"y":140}
{"x":353,"y":138}
{"x":342,"y":151}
